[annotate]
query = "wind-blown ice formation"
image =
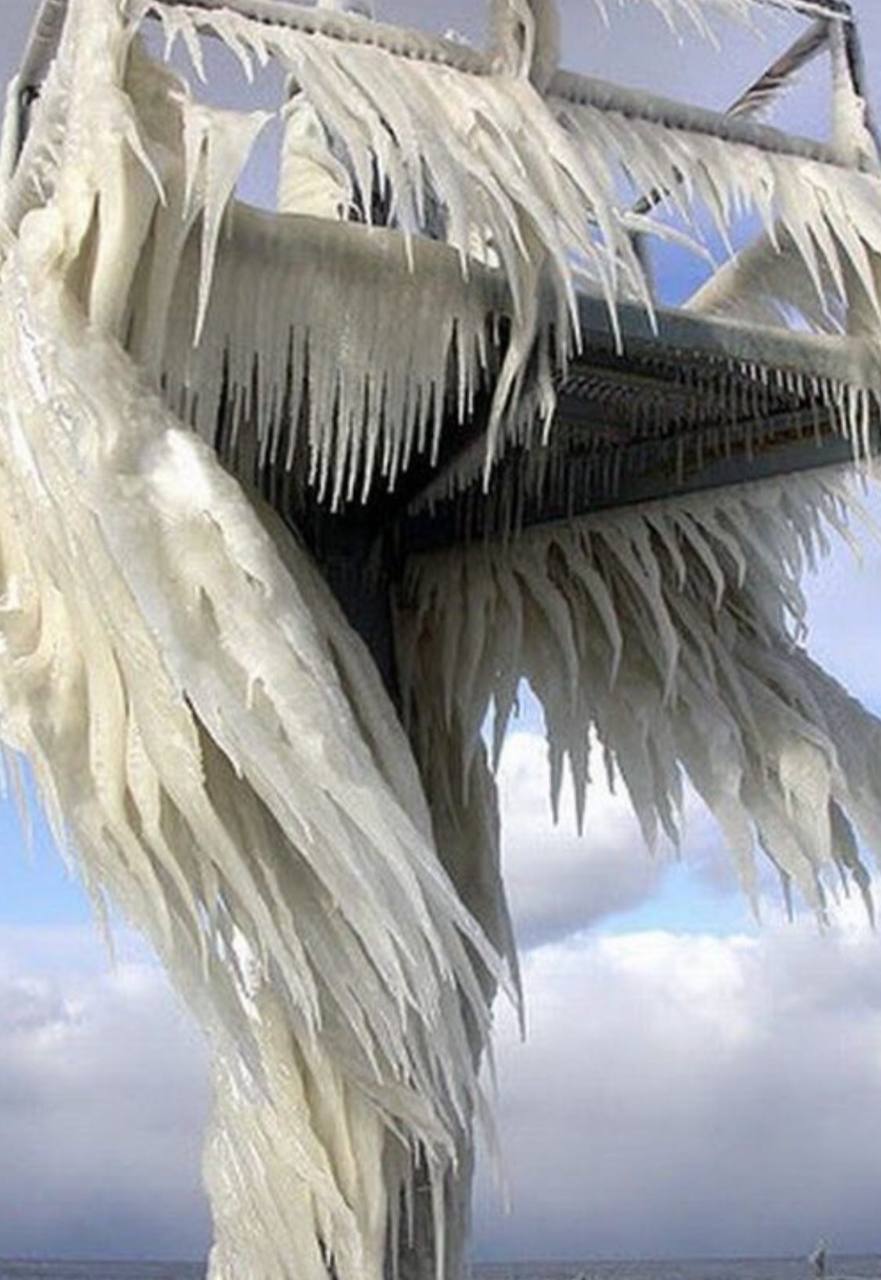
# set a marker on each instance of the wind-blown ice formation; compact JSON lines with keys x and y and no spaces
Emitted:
{"x":211,"y":738}
{"x":669,"y":633}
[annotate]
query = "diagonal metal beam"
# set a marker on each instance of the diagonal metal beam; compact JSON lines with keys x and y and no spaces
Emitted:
{"x":815,"y":8}
{"x":799,"y":55}
{"x":762,"y":91}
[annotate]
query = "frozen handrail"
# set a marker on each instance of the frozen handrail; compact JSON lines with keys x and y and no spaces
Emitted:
{"x":351,"y":27}
{"x":603,"y":95}
{"x":566,"y":86}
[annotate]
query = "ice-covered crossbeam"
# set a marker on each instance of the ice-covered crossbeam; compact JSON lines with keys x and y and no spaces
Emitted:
{"x":277,"y":11}
{"x":350,"y":27}
{"x":566,"y":86}
{"x":407,"y":43}
{"x":603,"y":95}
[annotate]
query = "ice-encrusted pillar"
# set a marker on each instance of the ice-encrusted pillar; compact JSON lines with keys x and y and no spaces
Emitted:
{"x":525,"y":36}
{"x":466,"y":828}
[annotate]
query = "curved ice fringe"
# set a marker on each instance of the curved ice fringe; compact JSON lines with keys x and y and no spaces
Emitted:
{"x":216,"y":744}
{"x":670,"y":633}
{"x":207,"y":730}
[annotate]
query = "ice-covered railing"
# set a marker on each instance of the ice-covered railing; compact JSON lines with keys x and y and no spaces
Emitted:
{"x":321,"y":880}
{"x":820,"y":210}
{"x":553,"y":201}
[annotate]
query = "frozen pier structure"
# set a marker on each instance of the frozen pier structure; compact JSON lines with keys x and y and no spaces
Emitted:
{"x":432,"y":385}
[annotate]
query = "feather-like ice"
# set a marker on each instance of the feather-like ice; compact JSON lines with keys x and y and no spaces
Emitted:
{"x":668,"y":634}
{"x":210,"y":736}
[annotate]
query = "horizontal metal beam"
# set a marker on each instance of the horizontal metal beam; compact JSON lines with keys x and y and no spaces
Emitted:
{"x":452,"y":524}
{"x":353,"y":29}
{"x":587,"y":91}
{"x":785,"y":371}
{"x":48,"y":26}
{"x":619,"y":473}
{"x":566,"y":86}
{"x":574,"y":88}
{"x":849,"y":361}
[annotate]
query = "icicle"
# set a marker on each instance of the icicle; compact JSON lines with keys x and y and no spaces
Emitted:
{"x":217,"y":145}
{"x":190,"y":696}
{"x":10,"y":139}
{"x":313,"y":181}
{"x":766,"y":739}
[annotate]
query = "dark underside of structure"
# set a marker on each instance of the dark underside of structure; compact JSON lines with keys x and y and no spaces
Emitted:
{"x":650,"y":407}
{"x":676,"y":405}
{"x":691,"y":404}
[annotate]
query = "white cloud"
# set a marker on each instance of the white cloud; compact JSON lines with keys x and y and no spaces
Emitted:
{"x":558,"y":882}
{"x":683,"y":1094}
{"x":103,"y":1093}
{"x":676,"y":1094}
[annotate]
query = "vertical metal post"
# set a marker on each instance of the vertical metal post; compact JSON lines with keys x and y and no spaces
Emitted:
{"x":358,"y":571}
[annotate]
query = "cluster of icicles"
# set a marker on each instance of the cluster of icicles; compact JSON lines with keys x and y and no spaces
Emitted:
{"x":664,"y":634}
{"x":237,"y":317}
{"x":212,"y":740}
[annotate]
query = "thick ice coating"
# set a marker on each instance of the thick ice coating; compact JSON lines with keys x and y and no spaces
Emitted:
{"x":211,"y":739}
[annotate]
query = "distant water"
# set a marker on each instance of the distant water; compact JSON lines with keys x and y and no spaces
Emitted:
{"x":844,"y":1268}
{"x":862,"y":1268}
{"x":101,"y":1271}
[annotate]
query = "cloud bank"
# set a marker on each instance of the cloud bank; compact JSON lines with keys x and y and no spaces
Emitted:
{"x":103,"y":1099}
{"x":693,"y":1095}
{"x":678,"y":1093}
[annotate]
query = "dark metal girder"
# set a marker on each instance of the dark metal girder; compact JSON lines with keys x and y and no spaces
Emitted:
{"x":815,"y":8}
{"x":783,"y":69}
{"x":735,"y":404}
{"x":469,"y":519}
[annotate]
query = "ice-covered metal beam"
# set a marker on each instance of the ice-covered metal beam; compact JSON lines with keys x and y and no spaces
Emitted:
{"x":351,"y":27}
{"x":589,"y":91}
{"x":404,"y":42}
{"x":771,"y":403}
{"x":763,"y":90}
{"x":468,"y":518}
{"x":815,"y":8}
{"x":566,"y":86}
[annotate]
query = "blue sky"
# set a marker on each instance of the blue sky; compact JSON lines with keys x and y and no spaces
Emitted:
{"x":691,"y":1084}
